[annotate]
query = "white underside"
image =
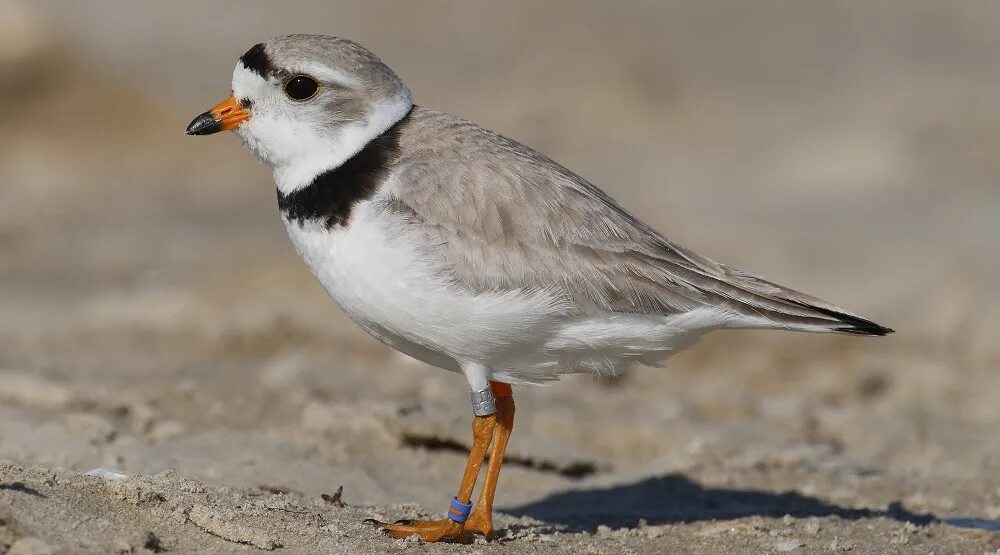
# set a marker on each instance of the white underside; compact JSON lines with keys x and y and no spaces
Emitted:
{"x":373,"y":271}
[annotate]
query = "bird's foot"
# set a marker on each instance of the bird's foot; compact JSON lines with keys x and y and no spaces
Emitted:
{"x":439,"y":530}
{"x":427,"y":530}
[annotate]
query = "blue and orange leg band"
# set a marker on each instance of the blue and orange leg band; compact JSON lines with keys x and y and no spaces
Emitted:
{"x":459,"y":511}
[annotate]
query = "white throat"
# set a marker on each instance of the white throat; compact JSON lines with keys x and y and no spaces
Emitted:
{"x":297,"y":153}
{"x":328,"y":153}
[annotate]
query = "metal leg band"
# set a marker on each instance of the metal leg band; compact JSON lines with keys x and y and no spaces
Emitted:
{"x":483,"y":402}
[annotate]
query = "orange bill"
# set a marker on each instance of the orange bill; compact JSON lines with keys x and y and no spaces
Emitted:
{"x":224,"y":116}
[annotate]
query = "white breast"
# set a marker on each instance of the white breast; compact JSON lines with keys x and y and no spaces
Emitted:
{"x":380,"y":280}
{"x":378,"y":276}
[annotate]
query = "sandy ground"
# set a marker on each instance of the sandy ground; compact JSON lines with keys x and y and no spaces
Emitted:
{"x":155,"y":325}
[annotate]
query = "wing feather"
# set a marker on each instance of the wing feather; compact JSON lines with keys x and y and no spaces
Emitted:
{"x":502,"y":216}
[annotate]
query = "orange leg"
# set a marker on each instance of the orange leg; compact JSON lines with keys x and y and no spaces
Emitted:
{"x":481,"y":519}
{"x":447,"y":529}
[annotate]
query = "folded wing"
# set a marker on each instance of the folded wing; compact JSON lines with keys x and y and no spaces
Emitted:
{"x":503,"y":216}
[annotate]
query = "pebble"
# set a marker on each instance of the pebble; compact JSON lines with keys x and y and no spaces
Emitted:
{"x":787,"y":544}
{"x":714,"y":529}
{"x":179,"y":515}
{"x":840,"y":545}
{"x":136,"y":492}
{"x":899,"y":538}
{"x":108,"y":474}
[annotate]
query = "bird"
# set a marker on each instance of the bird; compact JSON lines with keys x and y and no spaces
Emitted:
{"x":472,"y":252}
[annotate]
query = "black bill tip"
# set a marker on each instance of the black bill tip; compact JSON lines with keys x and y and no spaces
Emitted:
{"x":205,"y":124}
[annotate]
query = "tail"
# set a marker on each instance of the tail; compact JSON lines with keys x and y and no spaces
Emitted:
{"x":764,"y":304}
{"x":754,"y":302}
{"x":849,"y":323}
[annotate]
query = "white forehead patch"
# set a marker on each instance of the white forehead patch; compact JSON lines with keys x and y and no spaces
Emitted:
{"x":248,"y":83}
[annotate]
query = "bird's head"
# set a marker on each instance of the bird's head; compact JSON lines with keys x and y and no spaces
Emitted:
{"x":304,"y":104}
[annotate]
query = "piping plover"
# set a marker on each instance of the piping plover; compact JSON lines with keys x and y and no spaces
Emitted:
{"x":472,"y":252}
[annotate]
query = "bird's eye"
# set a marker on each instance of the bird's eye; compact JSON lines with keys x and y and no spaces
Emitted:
{"x":301,"y":87}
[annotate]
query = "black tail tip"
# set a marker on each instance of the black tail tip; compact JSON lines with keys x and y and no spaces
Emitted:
{"x":864,"y":327}
{"x":854,"y":324}
{"x":882,"y":330}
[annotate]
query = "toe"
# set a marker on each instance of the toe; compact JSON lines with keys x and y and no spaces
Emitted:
{"x":427,"y":530}
{"x":478,"y":523}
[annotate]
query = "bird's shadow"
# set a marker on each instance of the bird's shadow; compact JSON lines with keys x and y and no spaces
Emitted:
{"x":677,"y":499}
{"x":21,"y":488}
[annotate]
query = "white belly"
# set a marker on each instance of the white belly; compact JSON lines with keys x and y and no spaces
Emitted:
{"x":380,"y":281}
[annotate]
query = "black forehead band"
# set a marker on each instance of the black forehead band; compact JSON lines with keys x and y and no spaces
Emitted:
{"x":256,"y":60}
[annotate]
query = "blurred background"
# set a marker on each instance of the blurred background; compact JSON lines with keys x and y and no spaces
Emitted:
{"x":153,"y":314}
